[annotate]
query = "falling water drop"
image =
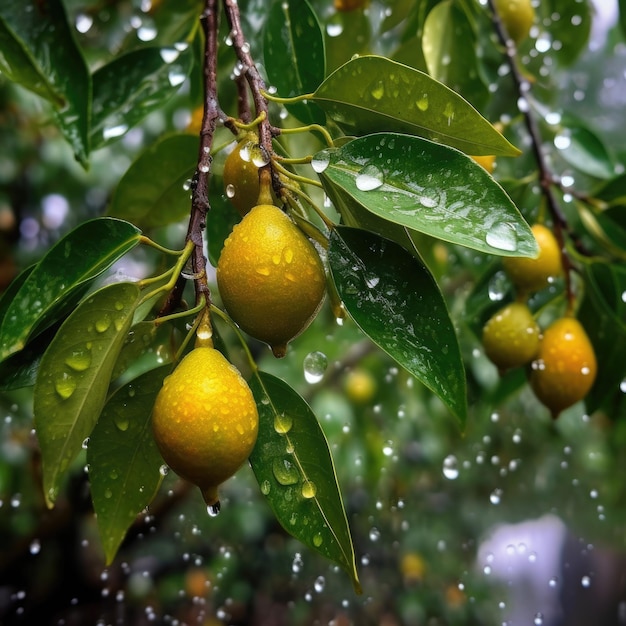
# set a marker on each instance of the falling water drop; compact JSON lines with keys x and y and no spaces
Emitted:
{"x":314,"y":365}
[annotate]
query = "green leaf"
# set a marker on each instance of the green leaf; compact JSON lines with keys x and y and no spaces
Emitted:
{"x":613,"y":191}
{"x":133,"y":85}
{"x":585,"y":151}
{"x":449,"y":46}
{"x":430,"y":188}
{"x":293,"y":48}
{"x":371,"y":94}
{"x":151,"y":193}
{"x":123,"y":458}
{"x":222,"y":219}
{"x":39,"y":52}
{"x":396,"y":302}
{"x":74,"y":377}
{"x":569,"y":23}
{"x":77,"y":258}
{"x":294,"y":467}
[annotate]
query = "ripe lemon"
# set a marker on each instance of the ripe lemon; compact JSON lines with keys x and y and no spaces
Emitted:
{"x":534,"y":274}
{"x":511,"y":336}
{"x":205,"y":420}
{"x":517,"y":17}
{"x":241,"y":176}
{"x":488,"y":162}
{"x":270,"y":277}
{"x":566,"y":365}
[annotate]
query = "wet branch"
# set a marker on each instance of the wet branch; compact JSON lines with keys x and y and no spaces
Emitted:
{"x":547,"y":179}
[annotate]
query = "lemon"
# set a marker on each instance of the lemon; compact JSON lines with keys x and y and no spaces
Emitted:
{"x":530,"y":275}
{"x":488,"y":162}
{"x":566,"y":365}
{"x":241,"y":176}
{"x":511,"y":336}
{"x":517,"y":17}
{"x":270,"y":277}
{"x":205,"y":420}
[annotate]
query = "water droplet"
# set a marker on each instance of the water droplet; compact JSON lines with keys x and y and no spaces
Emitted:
{"x":110,"y":132}
{"x":169,"y":55}
{"x":282,"y":423}
{"x":214,"y":509}
{"x":502,"y":236}
{"x":319,"y":584}
{"x":314,"y":364}
{"x":230,"y":191}
{"x":108,"y":494}
{"x":321,"y":161}
{"x":266,"y":487}
{"x":538,"y":621}
{"x":450,"y":467}
{"x":498,"y":286}
{"x":308,"y":489}
{"x":35,"y":546}
{"x":422,"y":103}
{"x":585,"y":581}
{"x":553,"y":582}
{"x":103,"y":324}
{"x":163,"y":470}
{"x":83,"y":22}
{"x":374,"y":534}
{"x":495,"y":496}
{"x":79,"y":360}
{"x":122,"y":422}
{"x":372,"y":281}
{"x":369,"y":178}
{"x":285,"y":472}
{"x":65,"y":386}
{"x":379,"y":91}
{"x":297,"y":563}
{"x":318,"y":540}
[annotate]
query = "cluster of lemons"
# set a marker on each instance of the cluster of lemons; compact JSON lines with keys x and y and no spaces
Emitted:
{"x":272,"y":283}
{"x":560,"y":360}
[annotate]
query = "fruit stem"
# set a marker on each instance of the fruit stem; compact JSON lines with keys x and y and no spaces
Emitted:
{"x":175,"y":273}
{"x":250,"y":125}
{"x":173,"y":316}
{"x":311,"y":127}
{"x":280,"y":100}
{"x":292,"y":203}
{"x":296,"y":177}
{"x":153,"y":244}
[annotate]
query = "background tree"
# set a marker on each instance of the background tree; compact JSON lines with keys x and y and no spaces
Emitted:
{"x":410,"y":147}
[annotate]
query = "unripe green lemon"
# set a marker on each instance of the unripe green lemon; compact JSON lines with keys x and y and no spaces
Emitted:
{"x":517,"y":16}
{"x":205,"y":420}
{"x":511,"y":336}
{"x":241,"y":176}
{"x":566,"y":366}
{"x":270,"y":277}
{"x":534,"y":274}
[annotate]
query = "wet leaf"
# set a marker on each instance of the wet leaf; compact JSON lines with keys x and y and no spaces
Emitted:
{"x":396,"y":302}
{"x":223,"y":217}
{"x":77,"y":258}
{"x":133,"y":85}
{"x":74,"y":377}
{"x":569,"y":23}
{"x":294,"y":468}
{"x":39,"y":52}
{"x":430,"y":188}
{"x":371,"y":94}
{"x":151,"y":193}
{"x":123,"y":458}
{"x":293,"y":49}
{"x":449,"y":45}
{"x":586,"y":152}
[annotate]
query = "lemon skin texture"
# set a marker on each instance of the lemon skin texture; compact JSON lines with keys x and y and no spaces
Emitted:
{"x":517,"y":16}
{"x":529,"y":275}
{"x":205,"y":420}
{"x":566,"y":366}
{"x":511,"y":336}
{"x":241,"y":179}
{"x":270,"y":277}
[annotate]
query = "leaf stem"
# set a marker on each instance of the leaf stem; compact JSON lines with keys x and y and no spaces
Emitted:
{"x":251,"y":361}
{"x":292,"y":100}
{"x":310,"y":128}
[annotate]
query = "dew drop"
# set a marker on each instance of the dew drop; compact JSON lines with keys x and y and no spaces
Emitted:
{"x":65,"y":386}
{"x":319,"y":584}
{"x":321,"y":161}
{"x":103,"y":324}
{"x":285,"y":472}
{"x":422,"y":103}
{"x":266,"y":487}
{"x":369,"y":178}
{"x":164,"y":470}
{"x":230,"y":191}
{"x":538,"y":621}
{"x":297,"y":563}
{"x":450,"y":467}
{"x":79,"y":360}
{"x":502,"y":236}
{"x":585,"y":581}
{"x":35,"y":546}
{"x":497,"y":287}
{"x":378,"y":92}
{"x":308,"y":489}
{"x":214,"y":509}
{"x":282,"y":423}
{"x":108,"y":494}
{"x":496,"y":496}
{"x":122,"y":422}
{"x":318,"y":540}
{"x":314,"y":365}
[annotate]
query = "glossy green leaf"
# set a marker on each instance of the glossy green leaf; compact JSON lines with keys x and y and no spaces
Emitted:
{"x":40,"y":53}
{"x":613,"y":191}
{"x":396,"y":302}
{"x":174,"y":21}
{"x":449,"y":46}
{"x":74,"y":377}
{"x":152,"y":191}
{"x":133,"y":85}
{"x":293,"y":48}
{"x":430,"y":188}
{"x":123,"y":458}
{"x":585,"y":151}
{"x":295,"y":470}
{"x":371,"y":94}
{"x":77,"y":258}
{"x":221,"y":221}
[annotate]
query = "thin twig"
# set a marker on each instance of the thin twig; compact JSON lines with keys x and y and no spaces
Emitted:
{"x":546,"y":176}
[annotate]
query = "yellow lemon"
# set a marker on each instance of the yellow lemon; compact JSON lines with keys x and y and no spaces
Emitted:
{"x":241,"y":176}
{"x":205,"y":420}
{"x":270,"y":277}
{"x":517,"y":17}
